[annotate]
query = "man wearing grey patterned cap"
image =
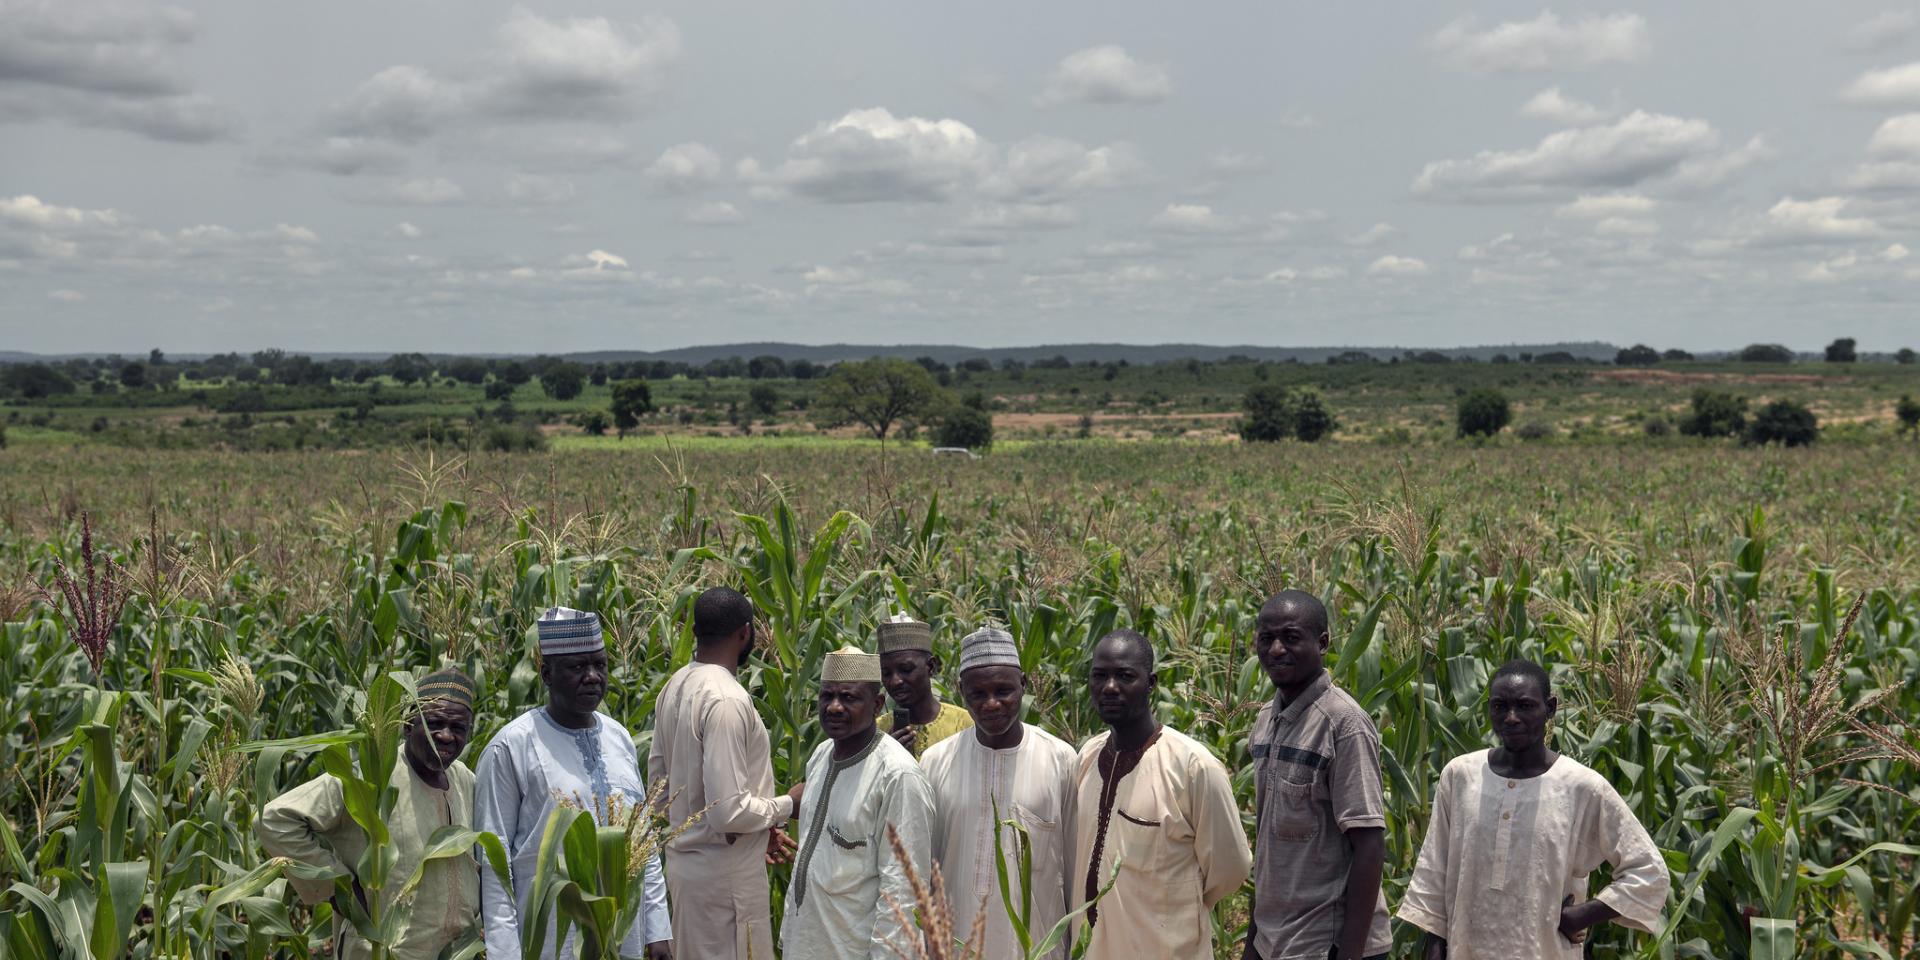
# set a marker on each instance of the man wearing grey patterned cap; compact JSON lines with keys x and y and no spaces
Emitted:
{"x":1004,"y":770}
{"x":850,"y":891}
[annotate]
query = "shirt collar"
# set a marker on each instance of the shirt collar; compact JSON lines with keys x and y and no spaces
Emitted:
{"x":1292,"y":711}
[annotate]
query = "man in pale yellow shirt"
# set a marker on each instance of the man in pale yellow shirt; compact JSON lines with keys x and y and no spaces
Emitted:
{"x":907,"y":665}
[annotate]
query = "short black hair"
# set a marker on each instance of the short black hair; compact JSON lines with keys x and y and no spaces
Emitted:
{"x":1131,"y":638}
{"x":718,"y":612}
{"x":1527,"y":669}
{"x":1315,"y":612}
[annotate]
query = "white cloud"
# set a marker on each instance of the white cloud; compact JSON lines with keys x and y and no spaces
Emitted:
{"x":687,"y":168}
{"x":1396,"y":266}
{"x":1816,"y":220}
{"x":1106,"y":74}
{"x":1120,"y":249}
{"x":602,"y":259}
{"x":1555,"y":107}
{"x":1041,"y":168}
{"x":1897,"y":138}
{"x":1893,"y":87}
{"x":531,"y":189}
{"x":1625,"y":227}
{"x":1638,"y":147}
{"x":118,"y":65}
{"x":1195,"y":220}
{"x":832,"y":275}
{"x":66,"y":296}
{"x":1543,"y":43}
{"x":408,"y":230}
{"x":1881,"y":31}
{"x":1894,"y":252}
{"x":1237,"y":163}
{"x":1373,"y":235}
{"x":714,"y":213}
{"x":1476,"y":251}
{"x":1599,"y":207}
{"x":29,"y":210}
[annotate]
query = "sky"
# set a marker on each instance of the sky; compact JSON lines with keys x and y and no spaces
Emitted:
{"x":481,"y":176}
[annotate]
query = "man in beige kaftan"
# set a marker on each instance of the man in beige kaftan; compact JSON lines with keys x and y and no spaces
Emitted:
{"x":1157,"y":807}
{"x":711,"y":748}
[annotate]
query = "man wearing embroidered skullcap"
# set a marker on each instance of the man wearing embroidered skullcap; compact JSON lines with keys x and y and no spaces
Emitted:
{"x":907,"y":665}
{"x":310,"y":825}
{"x":1002,"y":770}
{"x":849,"y":889}
{"x":565,"y":752}
{"x":711,"y":748}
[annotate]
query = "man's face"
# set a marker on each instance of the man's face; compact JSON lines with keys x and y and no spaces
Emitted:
{"x":848,"y":707}
{"x":1519,"y":710}
{"x":1120,"y":682}
{"x":438,"y":733}
{"x":994,"y":696}
{"x":908,"y":676}
{"x":576,"y":681}
{"x":1290,"y":649}
{"x":753,"y":643}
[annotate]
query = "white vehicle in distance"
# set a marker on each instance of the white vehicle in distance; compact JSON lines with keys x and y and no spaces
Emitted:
{"x":956,"y":451}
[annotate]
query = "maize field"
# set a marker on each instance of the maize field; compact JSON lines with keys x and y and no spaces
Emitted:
{"x":1734,"y":637}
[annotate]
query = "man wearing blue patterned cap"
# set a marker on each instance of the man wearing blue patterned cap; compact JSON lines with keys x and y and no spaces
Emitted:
{"x":567,"y":752}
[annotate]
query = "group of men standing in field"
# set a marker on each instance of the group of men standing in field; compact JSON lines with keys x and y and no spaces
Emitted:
{"x":1132,"y":838}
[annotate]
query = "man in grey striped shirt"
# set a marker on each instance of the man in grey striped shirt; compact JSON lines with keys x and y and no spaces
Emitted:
{"x":1320,"y":842}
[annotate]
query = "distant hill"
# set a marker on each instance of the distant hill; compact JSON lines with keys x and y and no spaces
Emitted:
{"x":949,"y":353}
{"x":1076,"y":352}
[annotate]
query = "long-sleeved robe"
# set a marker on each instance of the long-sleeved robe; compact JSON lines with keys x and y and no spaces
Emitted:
{"x":310,"y":824}
{"x":846,"y":878}
{"x":1030,"y":783}
{"x":1174,"y":829}
{"x":531,"y":765}
{"x":1500,"y":855}
{"x":711,"y":748}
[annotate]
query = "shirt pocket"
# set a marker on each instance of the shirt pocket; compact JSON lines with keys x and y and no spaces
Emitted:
{"x":1293,"y":806}
{"x":1140,"y":838}
{"x":849,"y":859}
{"x":1033,"y":820}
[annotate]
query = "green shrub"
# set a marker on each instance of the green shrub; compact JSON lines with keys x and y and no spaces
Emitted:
{"x":1716,"y":413}
{"x":1482,"y":412}
{"x":965,"y":426}
{"x":1784,"y":422}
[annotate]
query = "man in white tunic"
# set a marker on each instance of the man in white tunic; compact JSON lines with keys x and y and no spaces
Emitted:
{"x":566,"y":752}
{"x":310,"y":825}
{"x":1157,"y":807}
{"x":711,"y":748}
{"x":1010,"y":770}
{"x":1515,"y":832}
{"x":847,"y":880}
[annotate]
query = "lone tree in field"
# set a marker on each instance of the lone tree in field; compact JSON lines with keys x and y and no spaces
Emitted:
{"x":632,"y":399}
{"x":1312,"y":421}
{"x":763,"y":399}
{"x":1905,"y":356}
{"x":966,"y":424}
{"x":875,"y":394}
{"x":1638,"y":355}
{"x":563,"y":381}
{"x":1716,"y":413}
{"x":1841,"y":351}
{"x":1483,"y":413}
{"x":1765,"y":353}
{"x":1908,"y":410}
{"x":1783,"y":422}
{"x":1269,"y":416}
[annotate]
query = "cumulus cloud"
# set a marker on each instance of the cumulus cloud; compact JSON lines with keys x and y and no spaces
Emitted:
{"x":602,"y":259}
{"x":1815,"y":221}
{"x":1638,"y":147}
{"x":408,"y":230}
{"x":870,"y":156}
{"x":1892,"y":87}
{"x":540,"y":70}
{"x":1543,"y":43}
{"x":1897,"y":138}
{"x":117,"y":65}
{"x":714,"y":213}
{"x":1195,"y":219}
{"x":1881,"y":31}
{"x":1373,"y":235}
{"x":1396,"y":266}
{"x":687,"y":168}
{"x":1106,"y":74}
{"x":1600,"y":207}
{"x":1555,"y":107}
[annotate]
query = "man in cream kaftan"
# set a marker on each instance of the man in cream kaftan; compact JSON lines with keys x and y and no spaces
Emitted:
{"x":711,"y":748}
{"x":1501,"y":855}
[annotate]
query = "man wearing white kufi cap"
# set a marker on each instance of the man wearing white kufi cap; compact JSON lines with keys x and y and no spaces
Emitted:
{"x":1002,"y":770}
{"x":847,"y":880}
{"x":566,"y":752}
